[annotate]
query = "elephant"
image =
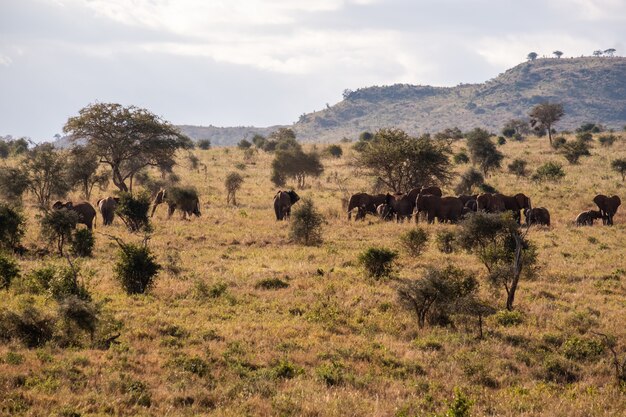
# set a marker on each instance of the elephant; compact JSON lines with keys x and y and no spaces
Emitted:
{"x":401,"y":205}
{"x":465,"y":198}
{"x":445,"y":209}
{"x":107,"y":208}
{"x":586,"y":218}
{"x":364,"y":203}
{"x":491,"y":203}
{"x":86,"y":212}
{"x":384,"y":212}
{"x":283,"y":200}
{"x":184,"y":199}
{"x":470,"y":205}
{"x":515,"y":204}
{"x":432,"y":190}
{"x":608,"y":207}
{"x":537,"y":215}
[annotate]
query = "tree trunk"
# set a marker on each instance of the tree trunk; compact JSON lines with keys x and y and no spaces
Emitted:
{"x":517,"y":271}
{"x":550,"y":134}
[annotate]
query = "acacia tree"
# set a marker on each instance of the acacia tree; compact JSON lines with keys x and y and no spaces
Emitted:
{"x":127,"y":139}
{"x":532,"y":56}
{"x":543,"y":116}
{"x":402,"y":162}
{"x":83,"y":172}
{"x":609,"y":51}
{"x":297,"y":164}
{"x":232,"y":184}
{"x":557,"y":54}
{"x":46,"y":170}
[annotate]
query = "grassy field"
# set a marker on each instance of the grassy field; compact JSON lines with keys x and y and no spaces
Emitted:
{"x":217,"y":336}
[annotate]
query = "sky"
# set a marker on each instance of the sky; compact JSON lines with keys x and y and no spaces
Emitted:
{"x":266,"y":62}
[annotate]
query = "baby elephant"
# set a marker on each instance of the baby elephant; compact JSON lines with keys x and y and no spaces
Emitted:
{"x":537,"y":215}
{"x":586,"y":218}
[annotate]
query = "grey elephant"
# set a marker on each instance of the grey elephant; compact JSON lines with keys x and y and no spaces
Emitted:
{"x":283,"y":200}
{"x":184,"y":199}
{"x":364,"y":203}
{"x":608,"y":207}
{"x":86,"y":212}
{"x":586,"y":218}
{"x":107,"y":208}
{"x":537,"y":215}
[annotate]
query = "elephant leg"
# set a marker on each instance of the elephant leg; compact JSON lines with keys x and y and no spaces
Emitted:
{"x":170,"y":210}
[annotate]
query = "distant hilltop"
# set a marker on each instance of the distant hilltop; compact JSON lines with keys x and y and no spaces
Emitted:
{"x":592,"y":89}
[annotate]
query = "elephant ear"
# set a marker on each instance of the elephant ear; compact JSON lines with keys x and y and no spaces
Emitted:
{"x":522,"y":200}
{"x":616,"y":201}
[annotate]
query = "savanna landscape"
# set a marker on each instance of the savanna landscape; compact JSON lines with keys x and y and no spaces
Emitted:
{"x":245,"y":318}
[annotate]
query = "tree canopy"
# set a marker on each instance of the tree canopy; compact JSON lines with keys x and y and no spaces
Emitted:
{"x":543,"y":116}
{"x":483,"y":151}
{"x":127,"y":139}
{"x":403,"y":162}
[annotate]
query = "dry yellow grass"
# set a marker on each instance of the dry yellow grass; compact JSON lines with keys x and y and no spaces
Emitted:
{"x":208,"y":341}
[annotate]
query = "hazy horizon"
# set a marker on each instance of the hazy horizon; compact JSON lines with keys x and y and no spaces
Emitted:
{"x":263,"y":63}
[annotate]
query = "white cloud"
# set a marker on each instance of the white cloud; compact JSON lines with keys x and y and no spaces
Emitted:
{"x":593,"y":10}
{"x":5,"y":60}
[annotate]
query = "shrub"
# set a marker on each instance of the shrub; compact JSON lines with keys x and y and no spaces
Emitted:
{"x":550,"y":171}
{"x":77,"y":313}
{"x":12,"y":227}
{"x":414,"y":241}
{"x":482,"y":151}
{"x":559,"y":142}
{"x":306,"y":225}
{"x":559,"y":370}
{"x":607,"y":140}
{"x":8,"y":271}
{"x":135,"y":268}
{"x":232,"y":183}
{"x":57,"y":227}
{"x":584,"y":137}
{"x":334,"y":150}
{"x":461,"y":158}
{"x":133,"y":210}
{"x":332,"y":374}
{"x":508,"y":318}
{"x":29,"y":326}
{"x":244,"y":144}
{"x":378,"y":262}
{"x":445,"y":241}
{"x":271,"y":284}
{"x":619,"y":166}
{"x":204,"y":144}
{"x":82,"y":243}
{"x":284,"y":369}
{"x":517,"y":167}
{"x":486,"y":188}
{"x":574,"y":150}
{"x":13,"y":184}
{"x":469,"y":180}
{"x":577,"y":348}
{"x":501,"y":140}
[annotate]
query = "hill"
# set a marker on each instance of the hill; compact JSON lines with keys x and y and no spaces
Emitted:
{"x":591,"y":90}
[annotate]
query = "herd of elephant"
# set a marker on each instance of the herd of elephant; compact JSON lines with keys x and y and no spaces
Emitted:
{"x":426,"y":200}
{"x":107,"y":207}
{"x":451,"y":209}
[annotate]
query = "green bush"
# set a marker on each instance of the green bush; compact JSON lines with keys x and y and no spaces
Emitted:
{"x":607,"y":140}
{"x":136,"y":268}
{"x":550,"y":171}
{"x":518,"y":167}
{"x":57,"y":282}
{"x":509,"y":318}
{"x":559,"y":370}
{"x":414,"y":241}
{"x":334,"y":150}
{"x":83,"y":242}
{"x":306,"y":224}
{"x":133,"y":210}
{"x":57,"y":227}
{"x":12,"y":227}
{"x":461,"y":158}
{"x":445,"y":241}
{"x":271,"y":284}
{"x":378,"y":262}
{"x":29,"y":326}
{"x":574,"y":150}
{"x":8,"y":271}
{"x":204,"y":144}
{"x":77,"y":314}
{"x":619,"y":166}
{"x":332,"y":374}
{"x":557,"y":143}
{"x":577,"y":348}
{"x":501,"y":140}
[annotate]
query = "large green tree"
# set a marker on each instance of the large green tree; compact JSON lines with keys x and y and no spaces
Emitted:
{"x":402,"y":162}
{"x":127,"y":139}
{"x":46,"y":170}
{"x":297,"y":164}
{"x":483,"y":151}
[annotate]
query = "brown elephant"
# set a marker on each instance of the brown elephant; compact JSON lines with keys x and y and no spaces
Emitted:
{"x":432,"y":190}
{"x":184,"y":199}
{"x":491,"y":203}
{"x":537,"y":215}
{"x":445,"y":209}
{"x":283,"y":200}
{"x":384,"y":212}
{"x":401,"y":205}
{"x":364,"y":203}
{"x":586,"y":218}
{"x":465,"y":198}
{"x":86,"y":212}
{"x":608,"y":207}
{"x":107,"y":208}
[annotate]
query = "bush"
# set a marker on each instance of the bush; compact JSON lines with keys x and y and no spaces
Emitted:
{"x":414,"y":241}
{"x":82,"y":243}
{"x":8,"y":271}
{"x":29,"y":326}
{"x":244,"y":144}
{"x":582,"y":349}
{"x":517,"y":167}
{"x":334,"y":150}
{"x":501,"y":140}
{"x":271,"y":284}
{"x":559,"y":370}
{"x":550,"y":171}
{"x":135,"y":268}
{"x":204,"y":144}
{"x":13,"y":184}
{"x":378,"y":262}
{"x":232,"y":183}
{"x":469,"y":180}
{"x":12,"y":227}
{"x":133,"y":210}
{"x":332,"y":374}
{"x":57,"y":227}
{"x":445,"y":241}
{"x":574,"y":150}
{"x":461,"y":158}
{"x":584,"y":137}
{"x":306,"y":225}
{"x":619,"y":166}
{"x":509,"y":318}
{"x":559,"y":142}
{"x":77,"y":313}
{"x":607,"y":140}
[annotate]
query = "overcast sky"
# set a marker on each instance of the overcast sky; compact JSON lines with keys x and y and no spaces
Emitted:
{"x":266,"y":62}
